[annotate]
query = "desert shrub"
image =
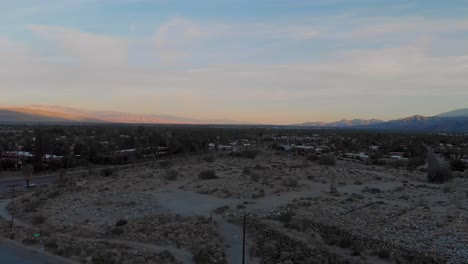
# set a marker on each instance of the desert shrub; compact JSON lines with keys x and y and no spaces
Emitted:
{"x":121,"y":222}
{"x":207,"y":175}
{"x":164,"y":163}
{"x":171,"y":175}
{"x":357,"y":250}
{"x":117,"y":231}
{"x":313,"y":157}
{"x":371,"y":190}
{"x":221,"y":209}
{"x":327,"y":160}
{"x":247,"y":153}
{"x":254,"y":177}
{"x":290,"y":182}
{"x":346,"y":243}
{"x":53,"y":194}
{"x":383,"y":254}
{"x":447,"y":189}
{"x":331,"y":241}
{"x":32,"y":206}
{"x":30,"y":241}
{"x":415,"y":162}
{"x":51,"y":245}
{"x":38,"y":220}
{"x":208,"y":158}
{"x":439,"y":174}
{"x":457,"y":165}
{"x":203,"y":256}
{"x":106,"y":258}
{"x":358,"y":183}
{"x":240,"y":206}
{"x":285,"y":217}
{"x":107,"y":172}
{"x":259,"y":167}
{"x":438,"y":171}
{"x":246,"y":170}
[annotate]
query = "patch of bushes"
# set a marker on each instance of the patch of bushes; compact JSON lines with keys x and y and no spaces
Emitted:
{"x":346,"y":243}
{"x":285,"y":217}
{"x":439,"y":174}
{"x":106,"y":258}
{"x":203,"y":256}
{"x":221,"y":209}
{"x":107,"y":172}
{"x":38,"y":220}
{"x":254,"y":177}
{"x":117,"y":231}
{"x":121,"y":222}
{"x":207,"y":175}
{"x":290,"y":182}
{"x":457,"y":165}
{"x":357,"y":250}
{"x":240,"y":206}
{"x":164,"y":163}
{"x":51,"y":245}
{"x":171,"y":175}
{"x":53,"y":194}
{"x":246,"y":153}
{"x":327,"y":160}
{"x":313,"y":157}
{"x":208,"y":158}
{"x":371,"y":190}
{"x":31,"y":207}
{"x":384,"y":254}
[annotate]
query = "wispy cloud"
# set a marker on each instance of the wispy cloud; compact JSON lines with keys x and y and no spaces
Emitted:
{"x":269,"y":71}
{"x":84,"y":47}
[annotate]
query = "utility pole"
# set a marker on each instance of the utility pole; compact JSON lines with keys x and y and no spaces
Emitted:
{"x":12,"y":209}
{"x":243,"y":240}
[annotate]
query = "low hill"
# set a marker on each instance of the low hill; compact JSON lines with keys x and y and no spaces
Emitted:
{"x":20,"y":115}
{"x":455,"y":113}
{"x":435,"y":124}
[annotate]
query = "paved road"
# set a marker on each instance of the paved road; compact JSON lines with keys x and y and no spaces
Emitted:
{"x":50,"y":178}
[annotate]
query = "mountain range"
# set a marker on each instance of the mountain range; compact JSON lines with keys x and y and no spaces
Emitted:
{"x":451,"y":122}
{"x":61,"y":114}
{"x":455,"y":121}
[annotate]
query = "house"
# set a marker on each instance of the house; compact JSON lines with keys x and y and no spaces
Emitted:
{"x":49,"y":157}
{"x":356,"y":155}
{"x":226,"y":147}
{"x":16,"y":156}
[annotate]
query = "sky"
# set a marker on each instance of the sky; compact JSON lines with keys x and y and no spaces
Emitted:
{"x":263,"y":61}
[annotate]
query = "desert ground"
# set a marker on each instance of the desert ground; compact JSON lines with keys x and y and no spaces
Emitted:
{"x":190,"y":210}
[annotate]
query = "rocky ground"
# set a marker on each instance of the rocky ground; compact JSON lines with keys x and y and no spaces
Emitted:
{"x":297,"y":212}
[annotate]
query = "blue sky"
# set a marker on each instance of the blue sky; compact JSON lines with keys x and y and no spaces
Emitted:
{"x":259,"y":61}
